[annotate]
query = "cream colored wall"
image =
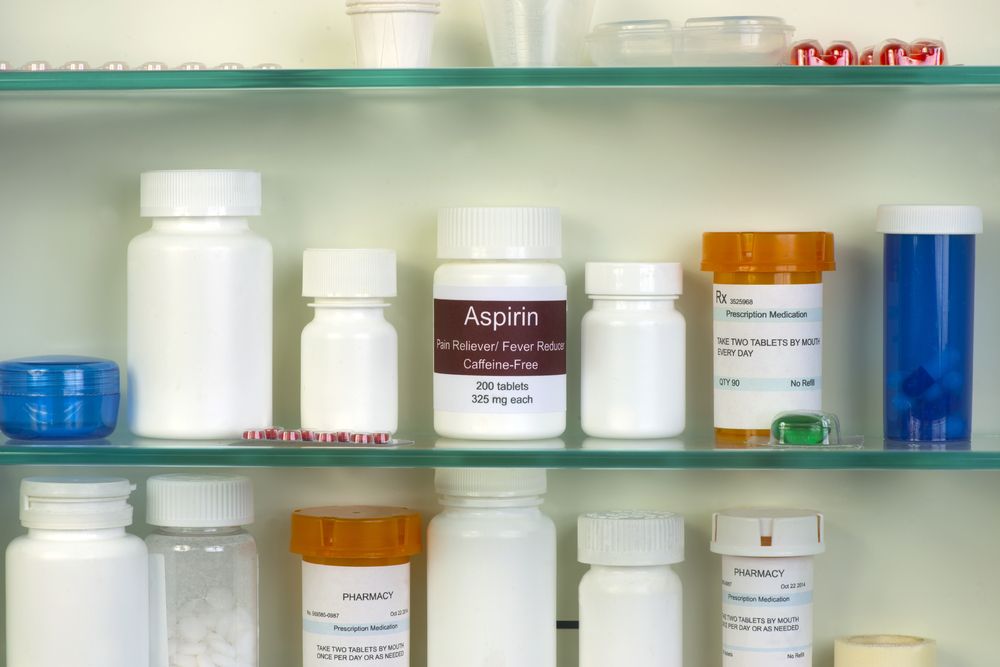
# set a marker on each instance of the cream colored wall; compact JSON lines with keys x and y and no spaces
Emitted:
{"x":639,"y":174}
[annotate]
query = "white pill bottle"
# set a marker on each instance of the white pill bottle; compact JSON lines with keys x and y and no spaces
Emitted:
{"x":499,"y":325}
{"x":491,"y":571}
{"x":633,"y":359}
{"x":77,"y":583}
{"x":767,"y":584}
{"x":199,"y":308}
{"x":349,"y":350}
{"x":631,"y":608}
{"x":203,"y":570}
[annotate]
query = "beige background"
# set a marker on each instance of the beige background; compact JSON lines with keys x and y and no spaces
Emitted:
{"x":639,"y":174}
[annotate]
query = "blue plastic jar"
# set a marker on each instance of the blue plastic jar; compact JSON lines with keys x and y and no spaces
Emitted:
{"x":58,"y":398}
{"x":930,"y":266}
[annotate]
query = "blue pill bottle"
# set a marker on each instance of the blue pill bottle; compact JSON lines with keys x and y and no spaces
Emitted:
{"x":930,"y":265}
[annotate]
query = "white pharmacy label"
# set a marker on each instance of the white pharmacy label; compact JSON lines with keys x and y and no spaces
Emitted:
{"x":355,"y":615}
{"x":499,"y":350}
{"x":767,"y":612}
{"x":768,"y":352}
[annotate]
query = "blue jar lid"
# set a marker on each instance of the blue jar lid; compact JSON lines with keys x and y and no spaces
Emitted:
{"x":58,"y":375}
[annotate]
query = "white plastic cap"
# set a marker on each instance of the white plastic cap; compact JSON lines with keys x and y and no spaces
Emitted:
{"x":630,"y":538}
{"x":499,"y":233}
{"x":346,"y":274}
{"x":490,"y":482}
{"x":884,"y":651}
{"x":768,"y":533}
{"x":633,"y":279}
{"x":75,"y":503}
{"x":199,"y":501}
{"x":195,"y":193}
{"x":930,"y":220}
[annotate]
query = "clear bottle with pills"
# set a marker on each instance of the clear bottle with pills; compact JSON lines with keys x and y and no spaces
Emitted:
{"x":349,"y":350}
{"x":499,"y":324}
{"x":633,"y":358}
{"x":203,"y":570}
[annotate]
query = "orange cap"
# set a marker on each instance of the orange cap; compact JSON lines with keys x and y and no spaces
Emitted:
{"x":355,"y":532}
{"x":767,"y":252}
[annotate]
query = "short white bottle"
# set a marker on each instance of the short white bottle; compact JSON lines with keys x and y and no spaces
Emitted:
{"x":349,"y":350}
{"x":499,"y":324}
{"x":199,"y":308}
{"x":77,"y":583}
{"x":491,"y":571}
{"x":630,"y":599}
{"x":633,"y":342}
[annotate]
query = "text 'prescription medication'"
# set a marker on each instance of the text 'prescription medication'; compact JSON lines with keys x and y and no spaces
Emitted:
{"x":499,"y":325}
{"x":767,"y":584}
{"x":768,"y":326}
{"x":356,"y":583}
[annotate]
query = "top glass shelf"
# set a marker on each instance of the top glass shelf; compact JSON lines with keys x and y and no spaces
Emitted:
{"x":573,"y":452}
{"x":560,"y":77}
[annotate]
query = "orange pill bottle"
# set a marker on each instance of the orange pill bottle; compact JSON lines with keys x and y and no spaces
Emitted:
{"x":767,"y":305}
{"x":356,"y":583}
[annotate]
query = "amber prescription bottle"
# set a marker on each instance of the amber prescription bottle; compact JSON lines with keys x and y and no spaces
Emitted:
{"x":356,"y":583}
{"x":767,"y":326}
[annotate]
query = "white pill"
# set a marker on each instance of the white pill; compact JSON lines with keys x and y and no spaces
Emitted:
{"x":246,"y":644}
{"x":192,"y":629}
{"x":221,"y":647}
{"x":224,"y":627}
{"x":210,"y":619}
{"x":220,"y":598}
{"x":193,"y":607}
{"x":205,"y":661}
{"x":243,"y":620}
{"x":184,"y":661}
{"x":190,"y":648}
{"x":223,"y":660}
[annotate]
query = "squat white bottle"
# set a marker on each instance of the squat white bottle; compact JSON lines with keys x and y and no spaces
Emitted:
{"x":491,"y":571}
{"x":199,"y":308}
{"x":349,"y":350}
{"x":632,"y":370}
{"x":77,"y":583}
{"x":499,"y":325}
{"x":630,"y":599}
{"x":767,"y":584}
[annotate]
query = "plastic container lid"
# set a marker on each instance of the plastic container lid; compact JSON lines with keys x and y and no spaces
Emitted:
{"x":768,"y":533}
{"x":490,"y":482}
{"x":199,"y":193}
{"x":884,"y":651}
{"x":630,"y":538}
{"x":199,"y":501}
{"x":59,"y":375}
{"x":356,"y":532}
{"x":499,"y":233}
{"x":633,"y":279}
{"x":930,"y":220}
{"x":767,"y":252}
{"x":627,"y":29}
{"x":346,"y":274}
{"x":75,"y":503}
{"x":741,"y":24}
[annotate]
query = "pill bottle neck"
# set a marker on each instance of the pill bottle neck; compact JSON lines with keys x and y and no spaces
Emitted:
{"x":213,"y":530}
{"x":634,"y":303}
{"x":464,"y":502}
{"x":76,"y":535}
{"x":202,"y":225}
{"x":374,"y":305}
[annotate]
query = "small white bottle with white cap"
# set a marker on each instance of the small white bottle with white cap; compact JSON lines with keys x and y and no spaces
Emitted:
{"x":632,"y":372}
{"x":767,"y":584}
{"x":499,"y":324}
{"x":630,"y":599}
{"x":199,"y":308}
{"x":349,"y":350}
{"x":77,"y":584}
{"x":491,"y":571}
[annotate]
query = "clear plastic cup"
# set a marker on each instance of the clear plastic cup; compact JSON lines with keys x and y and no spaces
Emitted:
{"x":537,"y":33}
{"x":393,"y":34}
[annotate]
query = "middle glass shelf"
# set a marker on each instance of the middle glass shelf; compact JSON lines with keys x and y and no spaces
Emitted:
{"x":571,"y":452}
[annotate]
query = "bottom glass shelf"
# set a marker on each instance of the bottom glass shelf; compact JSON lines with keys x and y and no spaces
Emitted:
{"x":571,"y":452}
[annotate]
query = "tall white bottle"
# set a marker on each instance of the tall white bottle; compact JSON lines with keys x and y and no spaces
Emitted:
{"x":491,"y":571}
{"x":199,"y":308}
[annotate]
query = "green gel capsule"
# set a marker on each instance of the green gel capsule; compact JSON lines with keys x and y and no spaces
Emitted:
{"x":805,"y":428}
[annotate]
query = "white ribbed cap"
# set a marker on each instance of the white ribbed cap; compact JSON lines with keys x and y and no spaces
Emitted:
{"x":346,"y":274}
{"x":768,"y":533}
{"x":195,"y":193}
{"x":633,"y":279}
{"x":199,"y":501}
{"x":930,"y":220}
{"x":517,"y":232}
{"x":630,"y":538}
{"x":75,"y":503}
{"x":884,"y":651}
{"x":490,"y":482}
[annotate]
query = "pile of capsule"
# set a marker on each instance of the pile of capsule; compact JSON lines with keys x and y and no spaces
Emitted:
{"x":328,"y":437}
{"x":891,"y":52}
{"x":119,"y":66}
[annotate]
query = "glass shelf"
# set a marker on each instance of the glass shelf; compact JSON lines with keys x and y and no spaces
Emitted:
{"x":573,"y":453}
{"x":567,"y":77}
